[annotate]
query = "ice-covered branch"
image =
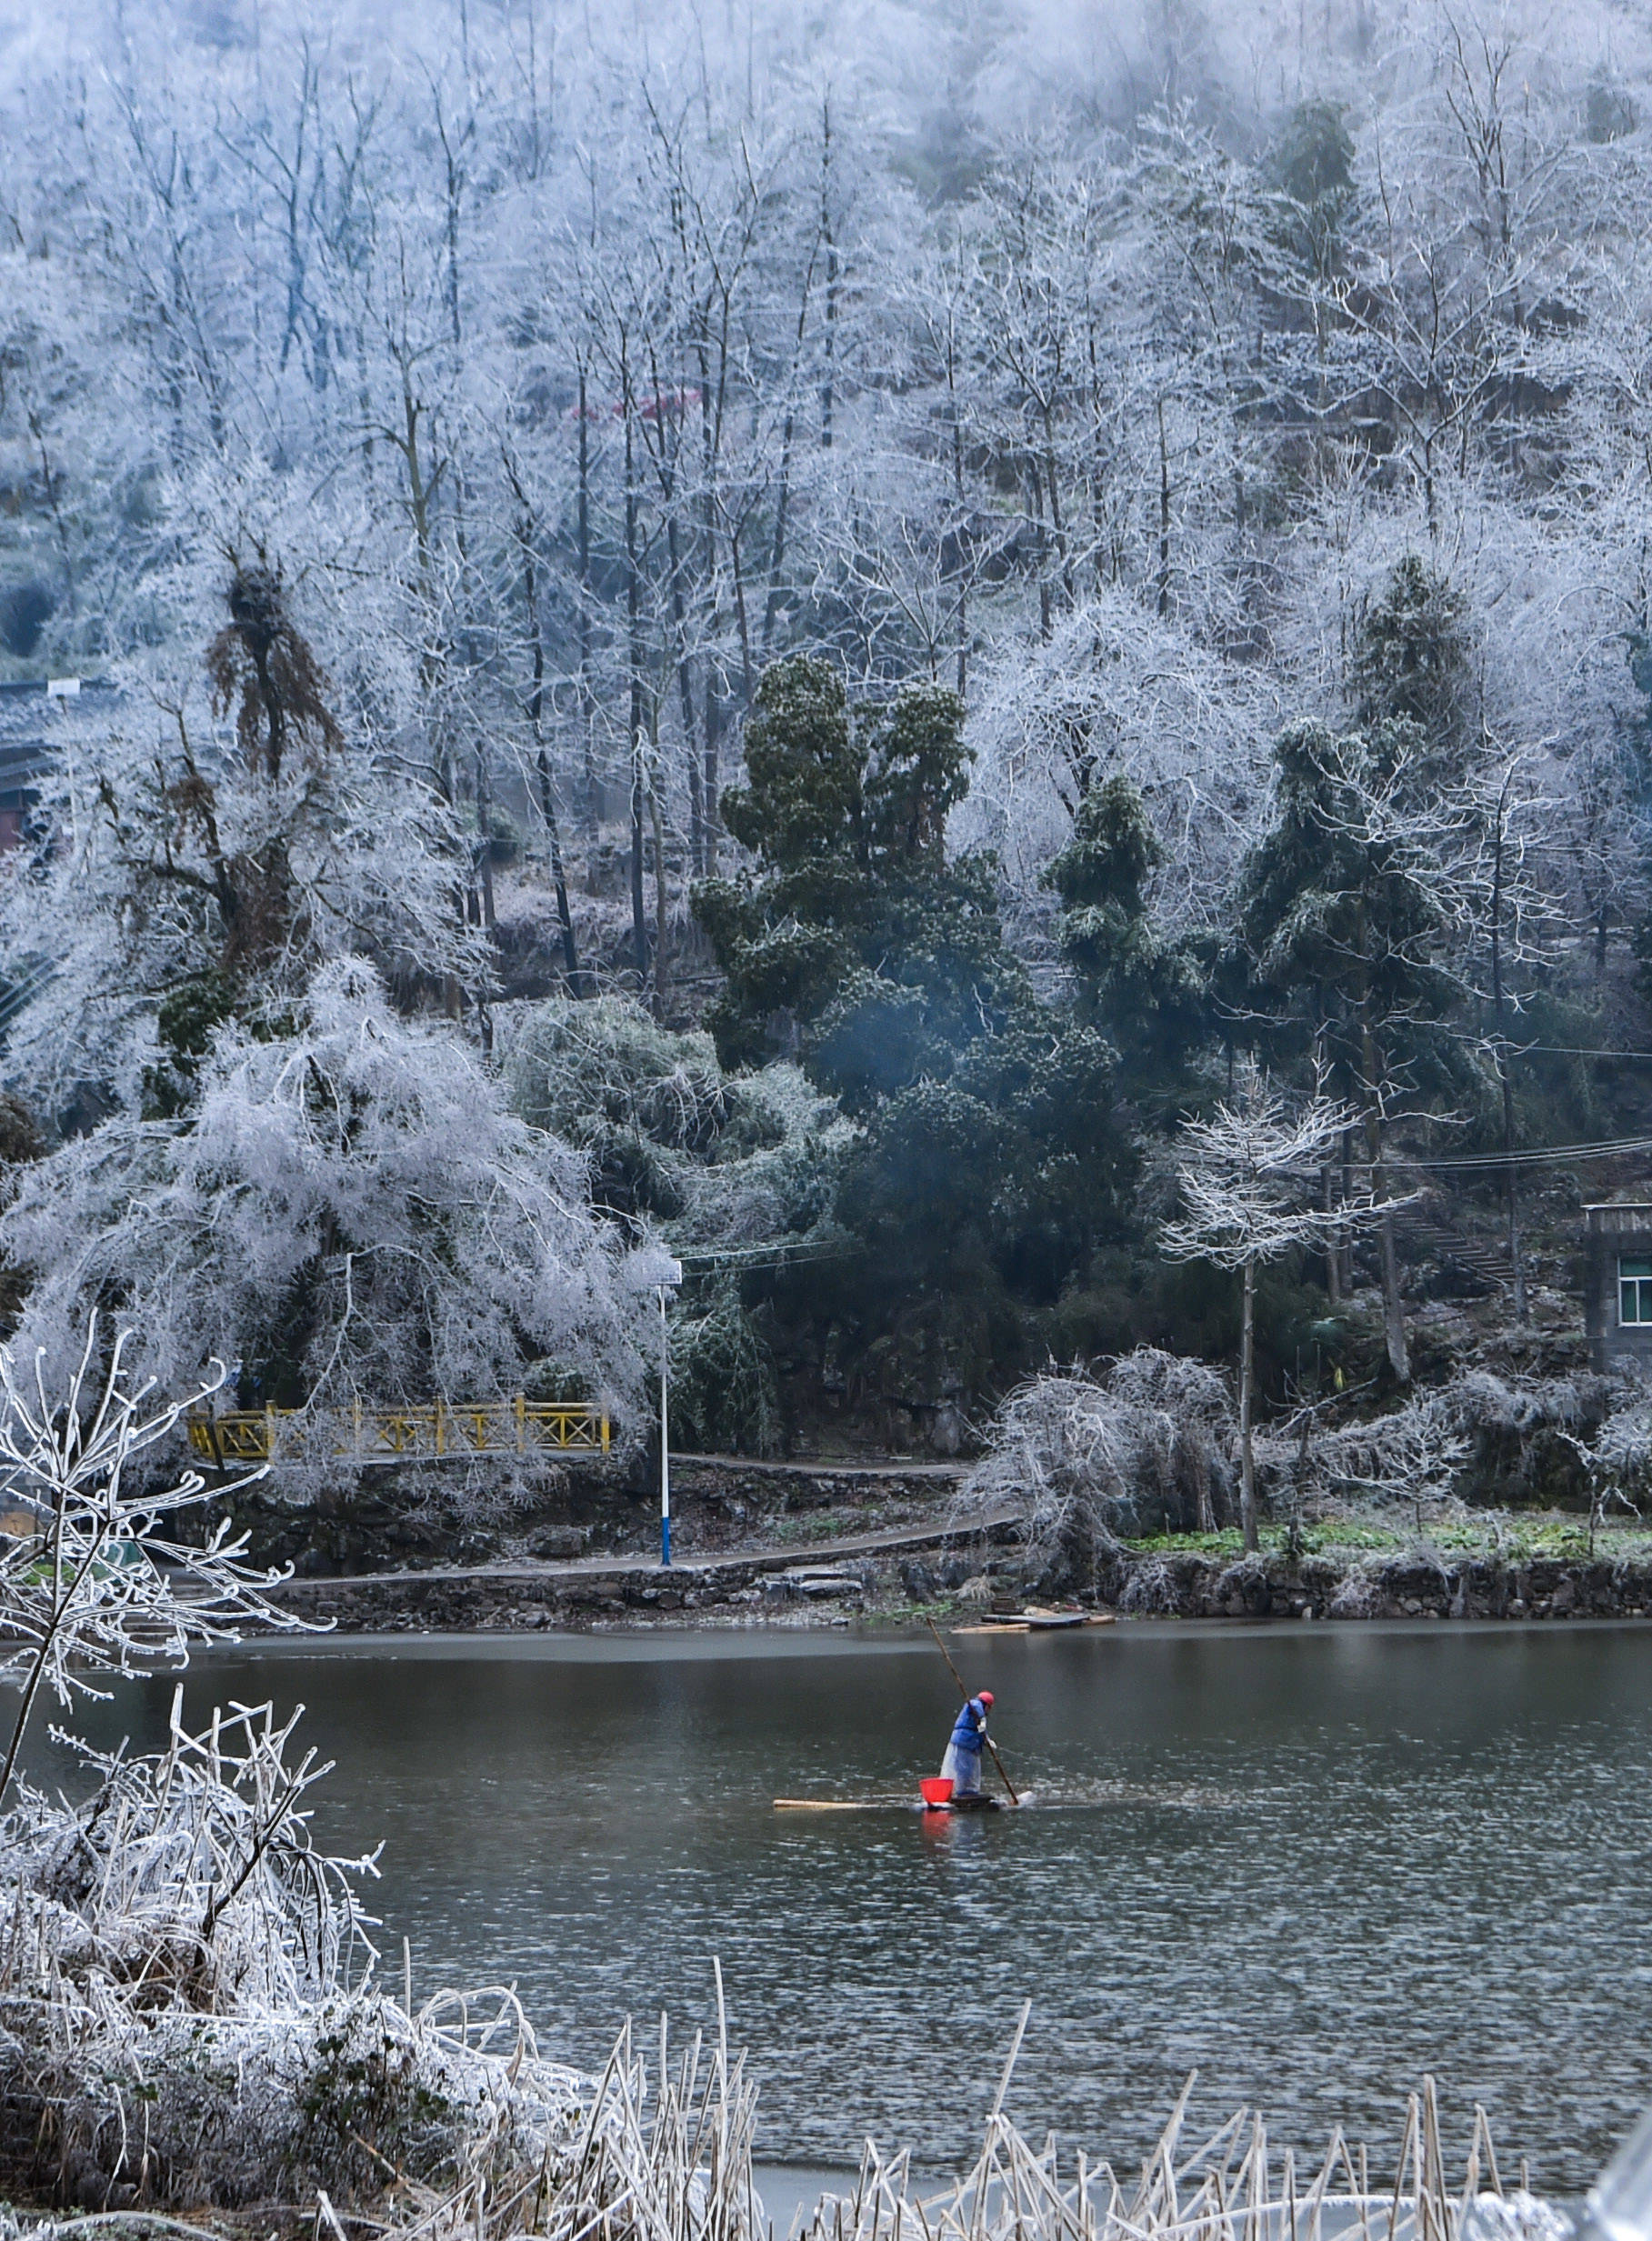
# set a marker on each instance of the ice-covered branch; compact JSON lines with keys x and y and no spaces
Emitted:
{"x":93,"y":1578}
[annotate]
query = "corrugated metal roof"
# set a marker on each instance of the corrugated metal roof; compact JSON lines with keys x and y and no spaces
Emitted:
{"x":31,"y":716}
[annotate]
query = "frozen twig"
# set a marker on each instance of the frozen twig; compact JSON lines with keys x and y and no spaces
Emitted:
{"x":94,"y":1578}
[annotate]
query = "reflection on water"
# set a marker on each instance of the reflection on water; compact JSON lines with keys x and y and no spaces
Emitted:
{"x":1311,"y":1863}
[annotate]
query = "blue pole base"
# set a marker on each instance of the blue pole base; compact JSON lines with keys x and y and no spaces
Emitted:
{"x":665,"y":1541}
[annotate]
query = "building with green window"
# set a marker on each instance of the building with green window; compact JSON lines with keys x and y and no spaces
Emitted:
{"x":1618,"y":1283}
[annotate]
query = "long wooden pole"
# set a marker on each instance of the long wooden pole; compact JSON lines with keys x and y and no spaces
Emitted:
{"x":963,"y":1692}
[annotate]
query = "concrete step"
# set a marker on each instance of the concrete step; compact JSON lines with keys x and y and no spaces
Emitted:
{"x":1432,"y":1231}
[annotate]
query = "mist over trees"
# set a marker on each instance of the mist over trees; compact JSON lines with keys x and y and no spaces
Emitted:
{"x":998,"y":564}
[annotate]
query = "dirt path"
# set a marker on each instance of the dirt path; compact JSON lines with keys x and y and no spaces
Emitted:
{"x":827,"y":1466}
{"x":886,"y":1541}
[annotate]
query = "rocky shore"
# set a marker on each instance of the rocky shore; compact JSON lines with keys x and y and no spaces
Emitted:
{"x":919,"y":1574}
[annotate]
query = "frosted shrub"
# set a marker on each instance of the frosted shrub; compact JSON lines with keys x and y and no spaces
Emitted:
{"x":189,"y":1875}
{"x":1087,"y":1460}
{"x":1411,"y":1455}
{"x":724,"y":1161}
{"x":186,"y":1982}
{"x":576,"y":1068}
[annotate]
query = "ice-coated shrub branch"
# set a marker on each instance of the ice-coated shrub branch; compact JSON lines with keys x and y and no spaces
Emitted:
{"x":190,"y":1877}
{"x":92,"y":1577}
{"x":1411,"y":1455}
{"x":1086,"y":1460}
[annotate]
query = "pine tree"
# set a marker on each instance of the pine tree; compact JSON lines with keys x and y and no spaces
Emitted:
{"x":854,"y":940}
{"x":1147,"y":992}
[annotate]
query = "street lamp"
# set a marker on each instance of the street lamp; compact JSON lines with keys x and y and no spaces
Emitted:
{"x":668,"y":1283}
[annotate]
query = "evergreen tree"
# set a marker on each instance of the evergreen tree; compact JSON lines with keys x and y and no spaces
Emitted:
{"x":1412,"y":665}
{"x":854,"y":939}
{"x":1313,"y":167}
{"x":1146,"y":991}
{"x":1344,"y":908}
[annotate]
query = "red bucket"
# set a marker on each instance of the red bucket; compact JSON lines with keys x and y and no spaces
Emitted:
{"x":936,"y":1789}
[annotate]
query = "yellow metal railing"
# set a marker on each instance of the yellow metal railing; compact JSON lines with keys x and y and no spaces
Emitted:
{"x":512,"y":1427}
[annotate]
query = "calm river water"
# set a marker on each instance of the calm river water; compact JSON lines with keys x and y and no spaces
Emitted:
{"x":1311,"y":1863}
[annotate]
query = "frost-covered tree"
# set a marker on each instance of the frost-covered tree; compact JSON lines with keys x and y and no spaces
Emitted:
{"x":1246,"y":1176}
{"x":348,"y":1211}
{"x":1346,"y":905}
{"x":181,"y":876}
{"x":1117,"y":688}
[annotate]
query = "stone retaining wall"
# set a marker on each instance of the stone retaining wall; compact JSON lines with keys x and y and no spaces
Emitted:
{"x":1274,"y":1586}
{"x":470,"y":1515}
{"x":890,"y":1583}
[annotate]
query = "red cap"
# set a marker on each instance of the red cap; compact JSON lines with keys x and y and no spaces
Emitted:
{"x":987,"y":1696}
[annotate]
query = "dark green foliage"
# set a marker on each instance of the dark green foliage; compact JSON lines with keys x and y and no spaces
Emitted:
{"x":1313,"y":167}
{"x":921,"y":1192}
{"x":874,"y":1036}
{"x":1313,"y":157}
{"x":995,"y":1186}
{"x":1148,"y":993}
{"x":1189,"y":1307}
{"x":725,"y":1397}
{"x":1068,"y":1171}
{"x":918,"y":773}
{"x":804,"y":800}
{"x":854,"y":940}
{"x":1341,"y":925}
{"x":1413,"y":665}
{"x":992,"y":1168}
{"x":187,"y":1018}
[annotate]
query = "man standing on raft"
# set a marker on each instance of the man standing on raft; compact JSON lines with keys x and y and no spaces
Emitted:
{"x":963,"y":1760}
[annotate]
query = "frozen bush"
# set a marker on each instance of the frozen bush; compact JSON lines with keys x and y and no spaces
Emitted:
{"x":1087,"y":1460}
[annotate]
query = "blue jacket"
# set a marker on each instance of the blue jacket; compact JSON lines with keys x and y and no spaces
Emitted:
{"x":971,"y":1721}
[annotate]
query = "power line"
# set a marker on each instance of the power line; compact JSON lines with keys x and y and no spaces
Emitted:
{"x":758,"y":1256}
{"x":1537,"y":1155}
{"x":1570,"y":1050}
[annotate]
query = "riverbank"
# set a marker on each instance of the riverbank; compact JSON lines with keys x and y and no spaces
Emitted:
{"x":812,"y":1543}
{"x":903,"y":1574}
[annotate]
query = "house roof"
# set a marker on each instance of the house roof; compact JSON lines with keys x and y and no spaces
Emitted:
{"x":31,"y":716}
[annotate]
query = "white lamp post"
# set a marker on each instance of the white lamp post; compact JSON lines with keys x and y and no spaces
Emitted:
{"x":668,"y":1284}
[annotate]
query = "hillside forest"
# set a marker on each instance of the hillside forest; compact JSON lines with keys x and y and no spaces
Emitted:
{"x":795,"y":638}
